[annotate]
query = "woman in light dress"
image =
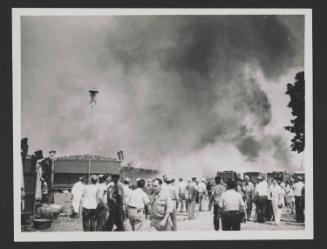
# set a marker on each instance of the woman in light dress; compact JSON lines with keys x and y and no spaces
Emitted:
{"x":290,"y":199}
{"x":277,"y":198}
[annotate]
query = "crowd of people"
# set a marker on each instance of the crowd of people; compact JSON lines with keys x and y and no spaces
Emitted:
{"x":108,"y":203}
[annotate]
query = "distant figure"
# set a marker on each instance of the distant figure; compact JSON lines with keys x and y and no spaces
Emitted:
{"x":115,"y":204}
{"x":269,"y":206}
{"x":77,"y":191}
{"x":277,"y":199}
{"x":162,"y":207}
{"x":217,"y":190}
{"x":102,"y":208}
{"x":261,"y":192}
{"x":232,"y":206}
{"x":89,"y":205}
{"x":248,"y":189}
{"x":241,"y":192}
{"x":181,"y":194}
{"x":201,"y":188}
{"x":299,"y":199}
{"x":290,"y":200}
{"x":209,"y":194}
{"x":136,"y":203}
{"x":174,"y":198}
{"x":191,"y":196}
{"x":127,"y":191}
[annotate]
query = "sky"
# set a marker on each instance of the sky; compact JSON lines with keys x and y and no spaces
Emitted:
{"x":185,"y":94}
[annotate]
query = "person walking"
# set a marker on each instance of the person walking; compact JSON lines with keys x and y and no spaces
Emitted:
{"x":115,"y":204}
{"x":277,"y":199}
{"x":217,"y":190}
{"x":261,"y":192}
{"x":248,"y":188}
{"x":136,"y":203}
{"x":89,"y":205}
{"x":162,"y":207}
{"x":233,"y":208}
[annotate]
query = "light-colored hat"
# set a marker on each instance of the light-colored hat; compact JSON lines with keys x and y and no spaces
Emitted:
{"x":94,"y":178}
{"x":127,"y":179}
{"x":260,"y":178}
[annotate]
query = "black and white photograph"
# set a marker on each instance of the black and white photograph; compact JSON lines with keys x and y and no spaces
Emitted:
{"x":194,"y":123}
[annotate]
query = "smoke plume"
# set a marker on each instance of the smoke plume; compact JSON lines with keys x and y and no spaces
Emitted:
{"x":177,"y":93}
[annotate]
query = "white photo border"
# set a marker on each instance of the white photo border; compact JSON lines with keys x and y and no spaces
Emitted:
{"x":20,"y":236}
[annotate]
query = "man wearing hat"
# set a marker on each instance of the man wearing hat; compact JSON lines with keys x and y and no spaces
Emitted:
{"x":261,"y":193}
{"x":115,"y":203}
{"x":89,"y":205}
{"x":136,"y":203}
{"x":299,"y":209}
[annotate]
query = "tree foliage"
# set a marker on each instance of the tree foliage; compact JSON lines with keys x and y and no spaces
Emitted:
{"x":296,"y":93}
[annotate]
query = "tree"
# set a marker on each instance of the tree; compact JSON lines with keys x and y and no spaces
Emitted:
{"x":296,"y":93}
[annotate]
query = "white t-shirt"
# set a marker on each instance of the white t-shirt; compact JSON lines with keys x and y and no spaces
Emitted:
{"x":182,"y":186}
{"x":138,"y":199}
{"x":101,"y":190}
{"x":231,"y":200}
{"x":298,"y":188}
{"x":202,"y":187}
{"x":89,"y":196}
{"x":262,"y":188}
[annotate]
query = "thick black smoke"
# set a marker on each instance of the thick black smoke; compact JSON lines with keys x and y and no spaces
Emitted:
{"x":178,"y":84}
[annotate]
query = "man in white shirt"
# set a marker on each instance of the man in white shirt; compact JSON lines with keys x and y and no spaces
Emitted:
{"x":261,"y":193}
{"x":89,"y":205}
{"x":202,"y":188}
{"x":232,"y":206}
{"x":299,"y":209}
{"x":136,"y":203}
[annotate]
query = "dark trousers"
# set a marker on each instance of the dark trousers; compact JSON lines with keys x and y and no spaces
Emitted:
{"x":102,"y":215}
{"x":299,"y":211}
{"x":269,"y":211}
{"x":89,"y":219}
{"x":115,"y":218}
{"x":231,"y":221}
{"x":210,"y":201}
{"x":261,"y":208}
{"x":216,"y":215}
